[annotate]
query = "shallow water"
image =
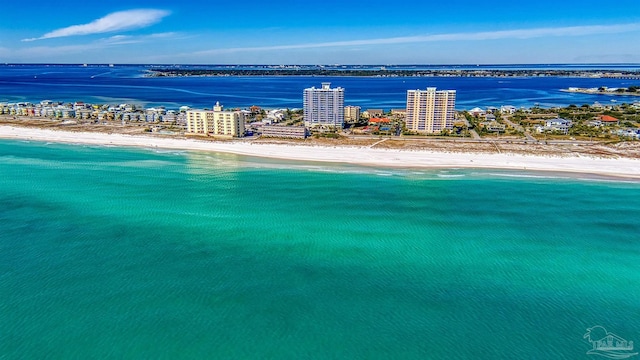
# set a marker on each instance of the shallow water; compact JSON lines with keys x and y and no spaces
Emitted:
{"x":110,"y":252}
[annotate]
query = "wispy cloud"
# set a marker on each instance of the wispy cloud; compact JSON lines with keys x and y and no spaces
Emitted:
{"x":117,"y":21}
{"x":476,"y":36}
{"x":93,"y":48}
{"x":129,"y":39}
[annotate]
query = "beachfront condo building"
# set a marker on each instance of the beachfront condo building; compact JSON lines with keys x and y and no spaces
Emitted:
{"x":324,"y":106}
{"x":198,"y":122}
{"x":430,"y":111}
{"x":351,"y":113}
{"x":216,"y":122}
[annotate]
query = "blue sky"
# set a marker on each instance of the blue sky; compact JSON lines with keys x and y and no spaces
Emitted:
{"x":320,"y":32}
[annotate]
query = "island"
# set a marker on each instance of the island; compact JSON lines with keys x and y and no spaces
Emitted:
{"x":381,"y":71}
{"x":603,"y":90}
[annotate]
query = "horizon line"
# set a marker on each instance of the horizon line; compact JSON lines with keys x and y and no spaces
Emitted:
{"x":334,"y":64}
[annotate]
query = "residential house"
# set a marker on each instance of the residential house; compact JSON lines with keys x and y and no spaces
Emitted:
{"x":608,"y":120}
{"x":508,"y":109}
{"x":630,"y":133}
{"x":476,"y":112}
{"x":373,"y":113}
{"x":493,"y":126}
{"x":558,"y":124}
{"x":399,"y":114}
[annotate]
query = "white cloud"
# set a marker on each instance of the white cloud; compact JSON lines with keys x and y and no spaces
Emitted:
{"x":117,"y":21}
{"x":128,"y":39}
{"x":93,"y":49}
{"x":477,"y":36}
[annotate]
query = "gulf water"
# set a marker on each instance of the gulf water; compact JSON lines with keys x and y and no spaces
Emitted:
{"x":131,"y":253}
{"x":128,"y":84}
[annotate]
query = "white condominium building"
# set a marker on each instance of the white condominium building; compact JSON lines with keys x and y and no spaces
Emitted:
{"x":324,"y":106}
{"x":216,"y":122}
{"x":430,"y":111}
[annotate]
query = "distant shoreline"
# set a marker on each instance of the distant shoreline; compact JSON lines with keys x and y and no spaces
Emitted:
{"x":627,"y":168}
{"x":177,"y":72}
{"x":598,"y":92}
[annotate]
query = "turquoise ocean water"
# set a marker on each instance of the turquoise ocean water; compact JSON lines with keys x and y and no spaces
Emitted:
{"x":133,"y":253}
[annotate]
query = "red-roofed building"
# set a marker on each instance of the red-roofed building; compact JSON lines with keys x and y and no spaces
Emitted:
{"x":379,"y":121}
{"x":608,"y":120}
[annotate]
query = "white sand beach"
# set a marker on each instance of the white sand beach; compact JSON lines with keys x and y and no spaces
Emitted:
{"x":618,"y":167}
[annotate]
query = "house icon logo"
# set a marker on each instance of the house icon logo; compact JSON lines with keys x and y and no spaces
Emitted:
{"x":608,"y":345}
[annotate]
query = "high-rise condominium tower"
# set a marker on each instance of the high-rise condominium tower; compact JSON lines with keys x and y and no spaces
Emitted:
{"x":430,"y":111}
{"x":324,"y":106}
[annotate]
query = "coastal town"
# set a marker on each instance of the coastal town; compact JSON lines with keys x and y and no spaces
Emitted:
{"x":429,"y":121}
{"x":595,"y":121}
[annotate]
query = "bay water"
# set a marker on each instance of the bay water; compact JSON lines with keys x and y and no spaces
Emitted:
{"x":128,"y":84}
{"x":138,"y":253}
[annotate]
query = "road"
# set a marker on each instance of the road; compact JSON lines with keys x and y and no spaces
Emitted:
{"x":519,"y":128}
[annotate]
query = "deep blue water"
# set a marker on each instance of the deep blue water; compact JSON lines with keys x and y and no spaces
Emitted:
{"x":100,"y":84}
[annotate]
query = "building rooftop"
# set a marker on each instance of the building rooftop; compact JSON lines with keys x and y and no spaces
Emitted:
{"x":607,"y":118}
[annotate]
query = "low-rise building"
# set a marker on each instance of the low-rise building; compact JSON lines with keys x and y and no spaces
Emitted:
{"x":399,"y":114}
{"x":379,"y":122}
{"x":508,"y":109}
{"x":169,"y":117}
{"x":373,"y":113}
{"x":594,"y":123}
{"x":493,"y":126}
{"x":276,"y":115}
{"x":290,"y":132}
{"x":608,"y":120}
{"x":68,"y":113}
{"x":630,"y":133}
{"x":476,"y":111}
{"x":558,"y":124}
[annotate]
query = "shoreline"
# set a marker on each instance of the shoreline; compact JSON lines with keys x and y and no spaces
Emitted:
{"x":380,"y":76}
{"x":385,"y":71}
{"x":609,"y":93}
{"x":626,"y":168}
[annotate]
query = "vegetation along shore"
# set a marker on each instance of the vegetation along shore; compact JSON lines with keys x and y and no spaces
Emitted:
{"x":383,"y":72}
